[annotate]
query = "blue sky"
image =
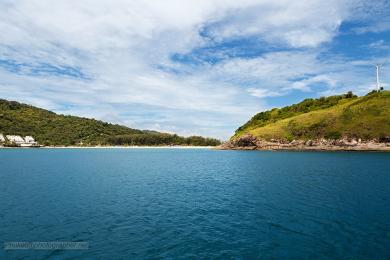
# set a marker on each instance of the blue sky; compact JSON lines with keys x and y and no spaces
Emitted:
{"x":189,"y":67}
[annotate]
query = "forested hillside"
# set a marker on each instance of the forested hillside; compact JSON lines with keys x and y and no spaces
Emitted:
{"x":49,"y":128}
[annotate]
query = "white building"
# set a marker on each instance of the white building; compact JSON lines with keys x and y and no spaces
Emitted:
{"x":2,"y":139}
{"x":17,"y":139}
{"x":29,"y":140}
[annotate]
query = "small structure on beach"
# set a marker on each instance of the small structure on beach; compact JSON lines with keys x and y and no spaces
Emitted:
{"x":2,"y":139}
{"x":30,"y":140}
{"x":17,"y":140}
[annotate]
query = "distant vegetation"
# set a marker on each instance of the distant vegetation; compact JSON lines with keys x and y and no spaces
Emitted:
{"x":161,"y":138}
{"x":333,"y":117}
{"x":49,"y":128}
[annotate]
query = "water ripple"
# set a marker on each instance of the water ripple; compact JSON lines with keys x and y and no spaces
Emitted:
{"x":149,"y":203}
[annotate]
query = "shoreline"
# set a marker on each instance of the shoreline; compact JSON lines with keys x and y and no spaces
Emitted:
{"x":112,"y":147}
{"x":126,"y":147}
{"x":376,"y":148}
{"x":249,"y":142}
{"x":309,"y":148}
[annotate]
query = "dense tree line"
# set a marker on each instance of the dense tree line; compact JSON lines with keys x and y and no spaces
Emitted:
{"x":49,"y":128}
{"x":161,"y":139}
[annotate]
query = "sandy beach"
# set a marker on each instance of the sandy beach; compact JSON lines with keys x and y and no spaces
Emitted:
{"x":114,"y":147}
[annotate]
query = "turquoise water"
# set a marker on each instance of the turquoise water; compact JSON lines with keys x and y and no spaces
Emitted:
{"x":170,"y":203}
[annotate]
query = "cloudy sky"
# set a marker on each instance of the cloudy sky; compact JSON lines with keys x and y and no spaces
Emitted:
{"x":189,"y":67}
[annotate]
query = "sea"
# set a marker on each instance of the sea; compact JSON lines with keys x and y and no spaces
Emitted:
{"x":193,"y":204}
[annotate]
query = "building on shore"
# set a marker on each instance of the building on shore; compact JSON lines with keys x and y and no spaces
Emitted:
{"x":16,"y":139}
{"x":27,"y":141}
{"x":2,"y":139}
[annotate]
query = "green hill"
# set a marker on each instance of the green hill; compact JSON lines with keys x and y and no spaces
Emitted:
{"x":49,"y":128}
{"x":334,"y":117}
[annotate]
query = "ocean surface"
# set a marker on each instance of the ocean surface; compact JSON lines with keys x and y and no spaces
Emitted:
{"x":194,"y":203}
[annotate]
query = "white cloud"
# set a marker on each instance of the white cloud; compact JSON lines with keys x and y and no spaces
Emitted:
{"x":119,"y":46}
{"x":262,"y":93}
{"x":379,"y":45}
{"x":299,"y":24}
{"x":304,"y":85}
{"x":375,"y":28}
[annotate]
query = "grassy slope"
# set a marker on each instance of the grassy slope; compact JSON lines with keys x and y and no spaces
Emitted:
{"x":52,"y":129}
{"x":365,"y":117}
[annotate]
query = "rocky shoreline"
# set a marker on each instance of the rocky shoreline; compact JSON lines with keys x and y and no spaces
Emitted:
{"x":249,"y":142}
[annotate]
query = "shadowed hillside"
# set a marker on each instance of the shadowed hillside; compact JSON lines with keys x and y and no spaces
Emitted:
{"x":49,"y":128}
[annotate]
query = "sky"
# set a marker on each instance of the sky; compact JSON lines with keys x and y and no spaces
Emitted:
{"x":191,"y":67}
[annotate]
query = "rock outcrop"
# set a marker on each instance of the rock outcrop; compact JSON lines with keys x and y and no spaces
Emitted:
{"x":249,"y":142}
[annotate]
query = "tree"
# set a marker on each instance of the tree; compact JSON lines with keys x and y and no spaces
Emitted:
{"x":349,"y":94}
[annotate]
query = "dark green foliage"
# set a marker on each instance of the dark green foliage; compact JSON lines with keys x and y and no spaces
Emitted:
{"x":349,"y":95}
{"x":307,"y":131}
{"x":161,"y":139}
{"x":49,"y":128}
{"x":333,"y":135}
